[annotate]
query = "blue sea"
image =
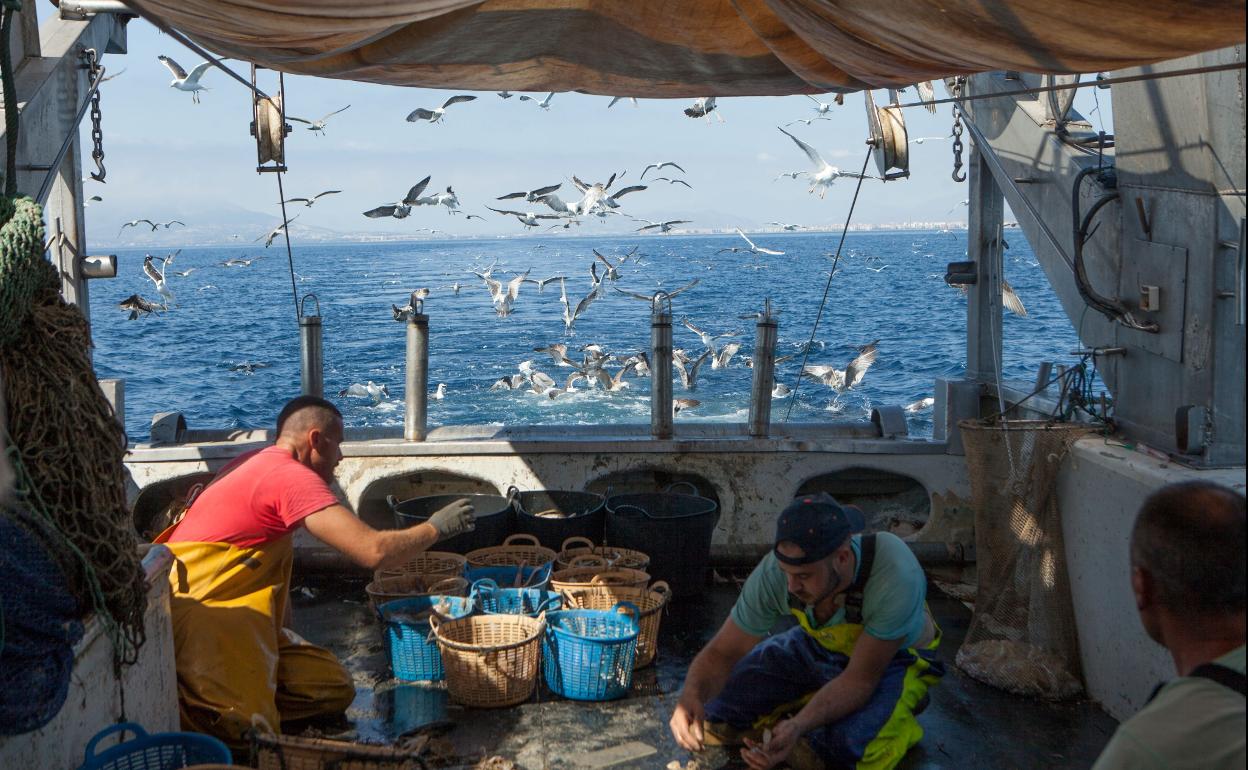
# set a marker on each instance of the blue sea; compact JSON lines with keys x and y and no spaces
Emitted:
{"x":226,"y":354}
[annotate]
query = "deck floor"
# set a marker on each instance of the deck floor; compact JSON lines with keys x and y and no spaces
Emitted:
{"x":967,"y":724}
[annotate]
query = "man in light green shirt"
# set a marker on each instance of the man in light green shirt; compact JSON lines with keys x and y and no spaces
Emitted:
{"x":1188,"y":575}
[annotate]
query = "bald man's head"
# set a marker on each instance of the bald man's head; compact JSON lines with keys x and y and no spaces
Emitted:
{"x":304,"y":413}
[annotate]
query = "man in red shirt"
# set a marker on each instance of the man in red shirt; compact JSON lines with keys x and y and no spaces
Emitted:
{"x":231,"y":581}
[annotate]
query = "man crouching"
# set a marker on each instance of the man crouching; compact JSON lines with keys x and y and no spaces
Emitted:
{"x":841,"y":688}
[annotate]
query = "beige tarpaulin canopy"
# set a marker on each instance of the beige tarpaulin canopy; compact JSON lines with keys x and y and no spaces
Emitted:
{"x":668,"y":48}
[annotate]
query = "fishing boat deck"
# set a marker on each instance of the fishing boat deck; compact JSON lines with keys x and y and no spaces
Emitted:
{"x":967,"y":724}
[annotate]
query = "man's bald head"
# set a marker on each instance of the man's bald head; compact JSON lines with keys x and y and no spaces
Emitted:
{"x":1190,"y":538}
{"x":304,"y":413}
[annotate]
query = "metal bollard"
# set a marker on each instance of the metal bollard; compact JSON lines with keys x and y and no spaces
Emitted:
{"x":311,"y":351}
{"x":766,"y":333}
{"x":661,"y":367}
{"x":415,"y":416}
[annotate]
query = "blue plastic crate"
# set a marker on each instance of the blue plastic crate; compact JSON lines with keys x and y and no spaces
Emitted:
{"x":529,"y":577}
{"x":492,"y":600}
{"x":155,"y":751}
{"x":588,"y":654}
{"x":414,"y":655}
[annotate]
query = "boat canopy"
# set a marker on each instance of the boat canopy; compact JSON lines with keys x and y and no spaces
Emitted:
{"x":693,"y":48}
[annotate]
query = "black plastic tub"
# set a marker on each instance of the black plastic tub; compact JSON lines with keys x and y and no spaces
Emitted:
{"x":584,"y":515}
{"x":674,"y":529}
{"x":493,"y":519}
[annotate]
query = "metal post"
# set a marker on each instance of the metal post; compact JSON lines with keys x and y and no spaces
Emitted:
{"x":766,"y":332}
{"x":311,"y":350}
{"x":661,"y":368}
{"x":985,"y":219}
{"x":415,"y":426}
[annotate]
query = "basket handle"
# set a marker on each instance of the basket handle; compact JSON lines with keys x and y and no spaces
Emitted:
{"x":443,"y":584}
{"x":603,"y":579}
{"x":668,"y":489}
{"x":120,"y":727}
{"x":576,"y":541}
{"x":522,"y":539}
{"x":661,"y":587}
{"x":587,"y":560}
{"x":638,"y":508}
{"x":628,"y":608}
{"x":513,"y":494}
{"x":484,"y":585}
{"x":393,"y":502}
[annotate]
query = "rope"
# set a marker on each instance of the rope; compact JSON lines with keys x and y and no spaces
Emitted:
{"x":290,"y":257}
{"x":848,"y":217}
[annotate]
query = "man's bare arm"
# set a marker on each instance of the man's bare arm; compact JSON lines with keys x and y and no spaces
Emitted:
{"x":706,"y":678}
{"x":339,"y":528}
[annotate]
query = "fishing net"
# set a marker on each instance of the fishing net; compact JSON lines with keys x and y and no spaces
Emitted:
{"x":64,"y":441}
{"x":38,"y":621}
{"x":1022,"y":636}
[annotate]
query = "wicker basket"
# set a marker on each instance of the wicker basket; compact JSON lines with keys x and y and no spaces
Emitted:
{"x":575,"y":547}
{"x":650,"y":601}
{"x":516,"y":550}
{"x":431,"y":565}
{"x":593,"y":570}
{"x":491,"y":660}
{"x":270,"y":751}
{"x":383,"y":590}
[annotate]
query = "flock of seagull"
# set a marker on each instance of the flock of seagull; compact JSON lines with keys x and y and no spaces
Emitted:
{"x":595,"y":367}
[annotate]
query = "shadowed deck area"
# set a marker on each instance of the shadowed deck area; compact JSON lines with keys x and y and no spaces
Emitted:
{"x":967,"y":724}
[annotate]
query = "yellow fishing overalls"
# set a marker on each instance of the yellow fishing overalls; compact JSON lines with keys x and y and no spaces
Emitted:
{"x":234,"y":657}
{"x":780,"y":675}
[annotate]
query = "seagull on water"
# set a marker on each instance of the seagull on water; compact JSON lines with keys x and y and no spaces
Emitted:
{"x":842,"y":380}
{"x":544,"y":103}
{"x":923,"y":404}
{"x":371,"y":390}
{"x":558,"y":352}
{"x":752,"y":248}
{"x":435,"y":115}
{"x":702,"y":108}
{"x":276,"y":231}
{"x":158,"y":278}
{"x":236,"y":262}
{"x":404,"y":207}
{"x":681,"y":404}
{"x":660,"y":166}
{"x":689,"y":376}
{"x":781,"y":391}
{"x":318,"y":125}
{"x":313,"y":199}
{"x":440,"y":393}
{"x":824,"y":173}
{"x":184,"y":82}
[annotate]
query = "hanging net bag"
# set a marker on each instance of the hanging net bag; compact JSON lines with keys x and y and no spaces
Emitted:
{"x":63,"y":438}
{"x":1022,"y":636}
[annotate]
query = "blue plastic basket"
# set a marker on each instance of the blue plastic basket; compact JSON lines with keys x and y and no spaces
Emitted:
{"x":505,"y":576}
{"x":588,"y":654}
{"x":414,"y":655}
{"x":492,"y":600}
{"x":157,"y":751}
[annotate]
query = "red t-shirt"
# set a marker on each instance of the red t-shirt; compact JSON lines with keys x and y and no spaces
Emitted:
{"x":265,"y":496}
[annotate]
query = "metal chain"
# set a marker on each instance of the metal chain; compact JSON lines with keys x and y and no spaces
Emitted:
{"x":97,"y":133}
{"x":955,"y":87}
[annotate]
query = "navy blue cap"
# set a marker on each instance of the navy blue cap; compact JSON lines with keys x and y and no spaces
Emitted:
{"x":817,"y":524}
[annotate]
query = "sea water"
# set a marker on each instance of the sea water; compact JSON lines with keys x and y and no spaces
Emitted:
{"x":226,"y":354}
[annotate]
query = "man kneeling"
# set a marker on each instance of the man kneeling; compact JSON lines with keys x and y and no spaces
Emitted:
{"x":842,"y":687}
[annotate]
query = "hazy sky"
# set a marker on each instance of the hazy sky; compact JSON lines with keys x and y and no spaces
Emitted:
{"x":168,"y":157}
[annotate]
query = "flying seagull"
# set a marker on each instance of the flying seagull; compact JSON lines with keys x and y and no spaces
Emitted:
{"x":657,"y":295}
{"x":786,"y":226}
{"x":664,"y":227}
{"x":702,"y":108}
{"x":276,"y":231}
{"x":527,"y":218}
{"x":660,"y":166}
{"x":824,"y":174}
{"x":615,"y":99}
{"x":135,"y":223}
{"x":544,"y":103}
{"x":158,"y":278}
{"x":435,"y":115}
{"x":318,"y":125}
{"x":821,"y":108}
{"x":671,"y":181}
{"x":313,"y":199}
{"x":851,"y":375}
{"x":137,"y":305}
{"x":533,"y":195}
{"x":183,"y":81}
{"x":402,"y":208}
{"x":753,"y":249}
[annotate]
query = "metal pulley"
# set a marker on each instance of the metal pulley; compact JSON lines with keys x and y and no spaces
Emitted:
{"x":1058,"y":103}
{"x":268,"y":126}
{"x":889,"y":142}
